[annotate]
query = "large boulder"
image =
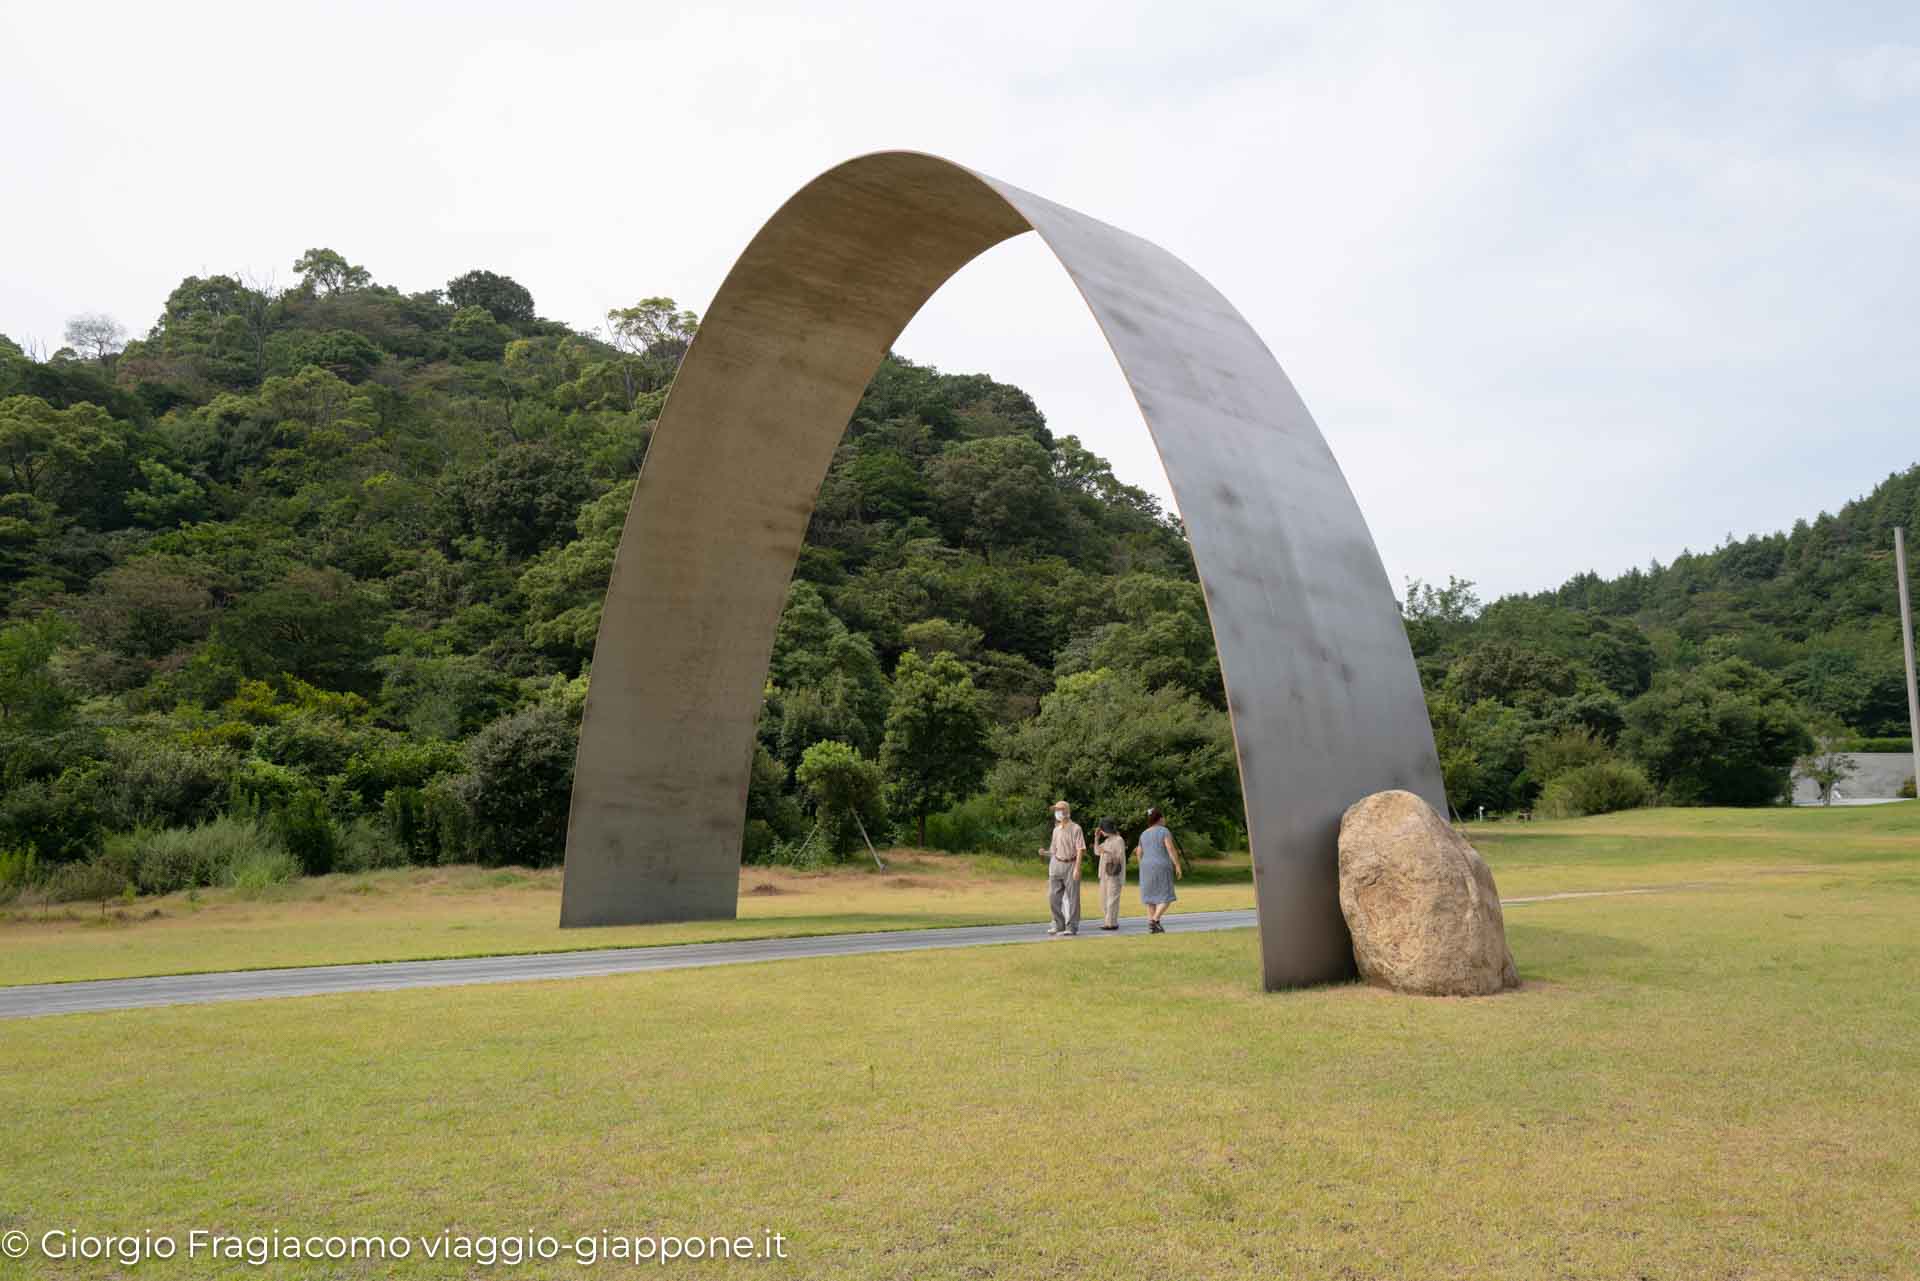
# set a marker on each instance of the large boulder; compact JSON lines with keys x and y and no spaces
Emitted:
{"x":1420,"y":902}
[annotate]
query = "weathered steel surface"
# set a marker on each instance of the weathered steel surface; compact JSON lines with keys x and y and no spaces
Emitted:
{"x":1325,"y":701}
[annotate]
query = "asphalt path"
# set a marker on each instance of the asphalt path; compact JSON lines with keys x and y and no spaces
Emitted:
{"x":33,"y":1000}
{"x":36,"y":999}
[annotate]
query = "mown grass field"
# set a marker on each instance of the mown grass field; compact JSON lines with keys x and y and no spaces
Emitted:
{"x":419,"y":913}
{"x":466,"y":911}
{"x":1719,"y":1080}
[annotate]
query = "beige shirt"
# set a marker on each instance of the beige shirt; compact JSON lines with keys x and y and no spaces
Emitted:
{"x":1113,"y":857}
{"x":1069,"y":842}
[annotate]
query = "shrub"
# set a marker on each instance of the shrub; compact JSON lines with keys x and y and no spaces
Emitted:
{"x":772,"y":814}
{"x":1864,"y":743}
{"x":183,"y":858}
{"x":164,"y":861}
{"x":315,"y":745}
{"x":18,"y":868}
{"x":157,"y":781}
{"x":975,"y":826}
{"x":518,"y":784}
{"x":59,"y":818}
{"x":403,"y":813}
{"x":304,"y":827}
{"x":379,"y":768}
{"x":446,"y":822}
{"x":1196,"y":843}
{"x":445,"y":698}
{"x":366,"y":844}
{"x":1548,"y":758}
{"x":91,"y":881}
{"x":259,"y":787}
{"x":260,"y":866}
{"x":1599,"y":788}
{"x":757,"y":845}
{"x":121,"y":852}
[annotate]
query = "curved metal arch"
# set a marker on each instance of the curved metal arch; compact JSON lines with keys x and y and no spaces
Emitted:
{"x":1324,"y":698}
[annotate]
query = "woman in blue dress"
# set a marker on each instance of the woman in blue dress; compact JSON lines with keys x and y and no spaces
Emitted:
{"x":1159,"y":864}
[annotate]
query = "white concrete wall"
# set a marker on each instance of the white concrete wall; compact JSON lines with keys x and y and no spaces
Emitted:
{"x":1877,"y":775}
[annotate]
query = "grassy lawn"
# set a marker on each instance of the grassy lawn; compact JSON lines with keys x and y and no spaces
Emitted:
{"x":1667,"y":846}
{"x":419,"y":913}
{"x":1710,"y":1082}
{"x":467,"y":911}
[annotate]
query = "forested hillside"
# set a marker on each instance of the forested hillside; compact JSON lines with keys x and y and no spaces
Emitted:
{"x":1712,"y":674}
{"x":311,"y":579}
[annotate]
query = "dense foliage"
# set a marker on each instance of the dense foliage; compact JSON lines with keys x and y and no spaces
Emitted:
{"x":1709,"y":675}
{"x":311,"y":579}
{"x":314,"y":575}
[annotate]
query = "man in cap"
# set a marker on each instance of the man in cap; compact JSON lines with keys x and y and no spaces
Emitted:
{"x":1064,"y":854}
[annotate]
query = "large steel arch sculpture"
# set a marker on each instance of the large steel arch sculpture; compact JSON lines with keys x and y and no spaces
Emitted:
{"x":1325,"y":702}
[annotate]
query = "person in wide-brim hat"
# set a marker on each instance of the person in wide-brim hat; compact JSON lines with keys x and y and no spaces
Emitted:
{"x":1111,"y":851}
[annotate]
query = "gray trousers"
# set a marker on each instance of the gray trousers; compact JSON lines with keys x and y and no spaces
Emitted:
{"x":1063,"y":894}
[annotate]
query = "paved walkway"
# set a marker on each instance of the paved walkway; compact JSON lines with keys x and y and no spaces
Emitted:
{"x":32,"y":1000}
{"x":315,"y":980}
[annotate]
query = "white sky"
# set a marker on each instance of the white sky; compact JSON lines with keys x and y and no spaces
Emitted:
{"x":1565,"y":290}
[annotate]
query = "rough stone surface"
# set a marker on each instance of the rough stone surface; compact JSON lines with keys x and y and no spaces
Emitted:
{"x":1420,"y":902}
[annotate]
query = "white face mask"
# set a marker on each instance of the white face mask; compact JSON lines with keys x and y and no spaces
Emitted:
{"x":1059,"y":816}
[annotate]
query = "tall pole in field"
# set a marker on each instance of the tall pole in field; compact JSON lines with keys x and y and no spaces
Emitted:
{"x":1906,"y":639}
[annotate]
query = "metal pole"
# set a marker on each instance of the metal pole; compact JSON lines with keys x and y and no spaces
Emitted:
{"x":1906,"y":639}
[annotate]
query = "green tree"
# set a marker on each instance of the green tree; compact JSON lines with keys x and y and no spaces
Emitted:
{"x":844,"y":788}
{"x":475,"y":334}
{"x":1483,"y":749}
{"x":504,"y":298}
{"x":341,"y":352}
{"x":998,"y":494}
{"x":1110,"y":745}
{"x":518,"y":785}
{"x":322,"y":271}
{"x":168,"y":499}
{"x":59,"y":456}
{"x":652,"y":324}
{"x":827,"y":680}
{"x":316,"y":624}
{"x":1511,"y":674}
{"x":1569,"y":749}
{"x":1162,"y":635}
{"x":149,"y":607}
{"x":1826,"y":766}
{"x":937,"y":747}
{"x":1435,"y":616}
{"x":565,"y":586}
{"x":32,"y":697}
{"x":525,"y":497}
{"x":1598,"y":787}
{"x":1724,"y":734}
{"x":212,"y":334}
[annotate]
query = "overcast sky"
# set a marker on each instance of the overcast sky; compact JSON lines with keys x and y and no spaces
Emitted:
{"x":1567,"y":287}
